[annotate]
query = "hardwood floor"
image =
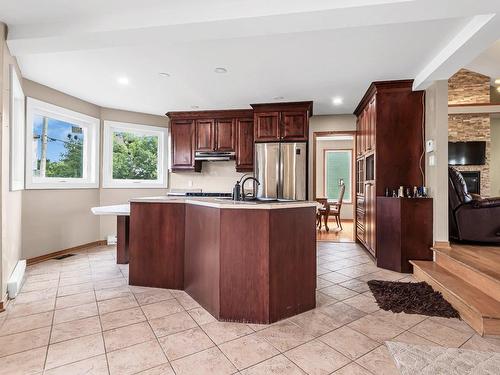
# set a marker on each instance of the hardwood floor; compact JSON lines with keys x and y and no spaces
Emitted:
{"x":335,"y":234}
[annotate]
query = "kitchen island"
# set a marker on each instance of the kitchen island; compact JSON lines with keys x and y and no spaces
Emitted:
{"x":243,"y":262}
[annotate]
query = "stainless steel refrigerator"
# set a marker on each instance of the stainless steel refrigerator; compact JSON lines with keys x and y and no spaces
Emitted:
{"x":281,"y":169}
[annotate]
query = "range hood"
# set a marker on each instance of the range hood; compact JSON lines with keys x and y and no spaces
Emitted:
{"x":214,"y":155}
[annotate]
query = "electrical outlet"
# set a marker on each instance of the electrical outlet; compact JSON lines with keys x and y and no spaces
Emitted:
{"x":432,"y":160}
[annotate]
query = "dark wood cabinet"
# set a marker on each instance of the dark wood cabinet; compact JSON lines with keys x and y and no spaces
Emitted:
{"x":294,"y":126}
{"x":405,"y":233}
{"x":183,"y":145}
{"x":225,"y":130}
{"x":389,"y":143}
{"x":267,"y":126}
{"x":205,"y":135}
{"x":225,"y":136}
{"x":282,"y":121}
{"x":244,"y":144}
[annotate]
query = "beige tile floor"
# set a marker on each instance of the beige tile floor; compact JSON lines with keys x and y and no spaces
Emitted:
{"x":79,"y":316}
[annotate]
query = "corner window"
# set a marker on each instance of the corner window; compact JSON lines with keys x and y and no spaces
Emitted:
{"x":134,"y":156}
{"x":338,"y":168}
{"x":62,"y":148}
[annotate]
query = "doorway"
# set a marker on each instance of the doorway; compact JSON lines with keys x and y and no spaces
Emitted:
{"x":333,"y":166}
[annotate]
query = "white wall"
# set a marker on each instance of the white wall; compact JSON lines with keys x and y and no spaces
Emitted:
{"x":495,"y":157}
{"x":53,"y":220}
{"x":436,"y":129}
{"x":321,"y":145}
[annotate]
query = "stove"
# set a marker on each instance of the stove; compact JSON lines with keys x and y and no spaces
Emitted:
{"x":207,"y":194}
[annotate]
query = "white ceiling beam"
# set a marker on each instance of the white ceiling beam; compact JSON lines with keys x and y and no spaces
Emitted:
{"x":475,"y":37}
{"x":96,"y":33}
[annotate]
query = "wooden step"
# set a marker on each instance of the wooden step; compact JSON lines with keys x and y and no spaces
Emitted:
{"x":471,"y":268}
{"x":478,"y":309}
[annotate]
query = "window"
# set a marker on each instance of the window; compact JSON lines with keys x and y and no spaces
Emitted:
{"x":17,"y":126}
{"x":134,"y":156}
{"x":62,"y":148}
{"x":338,"y":167}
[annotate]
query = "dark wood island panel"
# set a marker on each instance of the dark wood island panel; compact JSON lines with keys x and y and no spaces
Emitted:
{"x":157,"y":245}
{"x":292,"y":262}
{"x":246,"y":265}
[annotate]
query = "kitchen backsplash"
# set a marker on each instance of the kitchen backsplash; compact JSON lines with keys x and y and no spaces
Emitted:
{"x":219,"y":176}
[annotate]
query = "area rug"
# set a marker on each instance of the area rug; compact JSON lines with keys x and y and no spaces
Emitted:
{"x":433,"y":360}
{"x":411,"y":298}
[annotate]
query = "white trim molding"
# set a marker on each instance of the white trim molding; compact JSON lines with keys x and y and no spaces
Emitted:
{"x":90,"y":127}
{"x":110,"y":127}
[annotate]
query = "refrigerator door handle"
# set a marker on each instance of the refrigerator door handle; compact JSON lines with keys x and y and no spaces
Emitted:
{"x":281,"y":172}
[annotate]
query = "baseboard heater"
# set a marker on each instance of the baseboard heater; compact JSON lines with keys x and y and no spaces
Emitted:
{"x":16,"y":279}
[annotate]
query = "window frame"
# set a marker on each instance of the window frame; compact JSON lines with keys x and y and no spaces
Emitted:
{"x":90,"y":126}
{"x":325,"y":169}
{"x":108,"y":182}
{"x":17,"y":132}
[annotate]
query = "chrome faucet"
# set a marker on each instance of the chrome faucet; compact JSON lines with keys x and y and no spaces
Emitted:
{"x":243,"y":187}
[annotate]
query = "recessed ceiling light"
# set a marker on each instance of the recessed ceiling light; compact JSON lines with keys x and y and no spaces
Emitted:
{"x":337,"y":100}
{"x":195,"y":106}
{"x":163,"y":74}
{"x":123,"y":80}
{"x":220,"y":70}
{"x":497,"y":81}
{"x":278,"y":97}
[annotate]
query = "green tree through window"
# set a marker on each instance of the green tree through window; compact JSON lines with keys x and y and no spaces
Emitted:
{"x":338,"y":167}
{"x":135,"y":157}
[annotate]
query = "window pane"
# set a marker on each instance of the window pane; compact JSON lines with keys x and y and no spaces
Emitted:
{"x":338,"y":167}
{"x":58,"y":147}
{"x":135,"y":157}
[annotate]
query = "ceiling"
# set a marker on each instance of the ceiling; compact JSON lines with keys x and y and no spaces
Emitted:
{"x":488,"y":63}
{"x":273,"y":50}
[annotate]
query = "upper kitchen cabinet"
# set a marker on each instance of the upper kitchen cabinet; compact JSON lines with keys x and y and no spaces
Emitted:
{"x":225,"y":137}
{"x":211,"y":131}
{"x":183,"y":144}
{"x":205,"y":135}
{"x":267,"y":126}
{"x":282,"y":121}
{"x":244,"y":144}
{"x":215,"y":135}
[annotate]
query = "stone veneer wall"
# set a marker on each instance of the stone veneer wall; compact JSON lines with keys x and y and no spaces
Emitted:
{"x":467,"y":87}
{"x":473,"y":128}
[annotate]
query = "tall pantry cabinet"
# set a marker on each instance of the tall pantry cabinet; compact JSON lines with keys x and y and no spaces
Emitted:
{"x":389,"y":144}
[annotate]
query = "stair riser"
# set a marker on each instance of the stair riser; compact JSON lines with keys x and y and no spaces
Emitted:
{"x":482,"y":282}
{"x":472,"y":317}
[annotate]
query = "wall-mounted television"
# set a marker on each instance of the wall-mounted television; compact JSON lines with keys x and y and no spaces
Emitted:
{"x":467,"y":153}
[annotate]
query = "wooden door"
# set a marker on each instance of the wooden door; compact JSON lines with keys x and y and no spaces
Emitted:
{"x":205,"y":135}
{"x":294,"y":126}
{"x":183,"y":133}
{"x":266,"y":126}
{"x":225,"y":138}
{"x":244,"y":145}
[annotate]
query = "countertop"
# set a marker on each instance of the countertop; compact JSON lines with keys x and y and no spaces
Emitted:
{"x":222,"y":203}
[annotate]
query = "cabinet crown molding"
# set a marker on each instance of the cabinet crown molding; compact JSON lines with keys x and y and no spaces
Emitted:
{"x":212,"y":114}
{"x":286,"y":106}
{"x":378,"y":86}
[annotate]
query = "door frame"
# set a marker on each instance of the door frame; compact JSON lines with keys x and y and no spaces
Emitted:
{"x":352,"y":133}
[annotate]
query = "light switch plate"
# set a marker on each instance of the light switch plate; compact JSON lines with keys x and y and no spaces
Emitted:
{"x":429,"y":146}
{"x":432,"y":160}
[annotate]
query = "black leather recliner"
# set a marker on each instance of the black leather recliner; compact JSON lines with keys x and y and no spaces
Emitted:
{"x":471,"y":217}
